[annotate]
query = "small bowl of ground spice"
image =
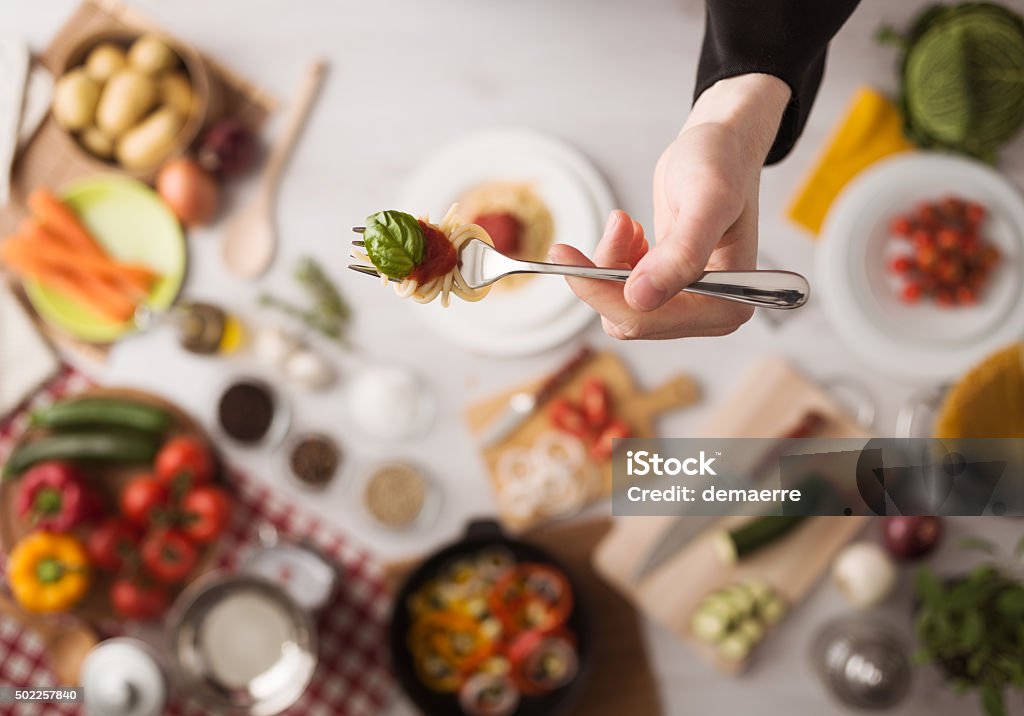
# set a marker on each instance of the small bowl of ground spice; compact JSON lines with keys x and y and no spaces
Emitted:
{"x":313,"y":460}
{"x":251,"y":412}
{"x":399,"y":496}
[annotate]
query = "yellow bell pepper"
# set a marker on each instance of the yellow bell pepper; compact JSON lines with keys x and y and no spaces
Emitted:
{"x":48,"y":572}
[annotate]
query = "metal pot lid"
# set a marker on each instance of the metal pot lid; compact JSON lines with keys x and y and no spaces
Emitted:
{"x":122,"y":677}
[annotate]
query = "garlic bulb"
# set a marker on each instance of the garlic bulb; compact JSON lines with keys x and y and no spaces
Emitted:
{"x":273,"y":345}
{"x":309,"y":369}
{"x":864,"y":573}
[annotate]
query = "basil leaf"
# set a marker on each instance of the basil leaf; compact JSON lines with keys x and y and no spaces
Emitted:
{"x":394,"y":242}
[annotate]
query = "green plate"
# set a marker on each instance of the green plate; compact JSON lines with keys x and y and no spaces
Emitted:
{"x":133,"y":224}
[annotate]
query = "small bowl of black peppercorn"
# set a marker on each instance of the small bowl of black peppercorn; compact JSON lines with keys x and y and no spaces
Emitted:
{"x":313,"y":460}
{"x":252,"y":413}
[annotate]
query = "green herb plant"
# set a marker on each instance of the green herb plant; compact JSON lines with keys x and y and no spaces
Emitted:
{"x":972,"y":626}
{"x":328,"y":313}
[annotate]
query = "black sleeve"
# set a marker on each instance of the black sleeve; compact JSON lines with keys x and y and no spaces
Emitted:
{"x":784,"y":38}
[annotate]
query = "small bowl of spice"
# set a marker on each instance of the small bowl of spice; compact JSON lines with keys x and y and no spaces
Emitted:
{"x":313,"y":460}
{"x":251,"y":413}
{"x":399,"y":496}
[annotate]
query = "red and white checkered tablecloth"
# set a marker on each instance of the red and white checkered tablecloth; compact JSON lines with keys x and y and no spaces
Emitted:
{"x":352,"y":678}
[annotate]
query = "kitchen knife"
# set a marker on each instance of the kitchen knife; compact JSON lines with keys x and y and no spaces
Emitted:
{"x":524,"y":403}
{"x":684,"y":528}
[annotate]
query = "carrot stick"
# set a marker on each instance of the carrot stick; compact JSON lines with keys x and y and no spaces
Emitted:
{"x":136,"y":279}
{"x":61,"y":221}
{"x":84,"y":288}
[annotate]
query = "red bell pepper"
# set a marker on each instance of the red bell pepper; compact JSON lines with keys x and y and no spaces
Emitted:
{"x":53,"y":496}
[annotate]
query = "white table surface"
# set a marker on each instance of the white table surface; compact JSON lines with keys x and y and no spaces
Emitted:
{"x":407,"y":76}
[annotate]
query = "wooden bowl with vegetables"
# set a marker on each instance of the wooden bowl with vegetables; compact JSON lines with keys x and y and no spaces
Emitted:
{"x":132,"y":101}
{"x":110,"y":502}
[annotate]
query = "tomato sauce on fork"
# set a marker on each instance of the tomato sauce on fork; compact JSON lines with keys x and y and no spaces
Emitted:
{"x":439,"y":256}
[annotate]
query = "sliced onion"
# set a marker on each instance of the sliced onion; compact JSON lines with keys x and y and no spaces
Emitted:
{"x":488,"y":695}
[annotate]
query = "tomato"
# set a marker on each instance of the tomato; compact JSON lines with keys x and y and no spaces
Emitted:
{"x":143,"y":498}
{"x":975,"y":212}
{"x":205,"y":512}
{"x":901,"y":264}
{"x":184,"y":458}
{"x":531,"y":596}
{"x":901,"y":226}
{"x":168,"y":555}
{"x":133,"y":599}
{"x":965,"y":295}
{"x":949,"y":239}
{"x":568,"y":418}
{"x":596,"y":404}
{"x":601,"y":450}
{"x":922,"y":238}
{"x":911,"y":292}
{"x":112,"y":543}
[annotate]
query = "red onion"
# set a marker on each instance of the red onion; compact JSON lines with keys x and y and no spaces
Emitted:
{"x":911,"y":537}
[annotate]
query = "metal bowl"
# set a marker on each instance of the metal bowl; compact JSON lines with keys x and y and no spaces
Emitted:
{"x":272,"y":687}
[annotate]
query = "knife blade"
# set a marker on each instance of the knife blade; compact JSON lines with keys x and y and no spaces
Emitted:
{"x":685,"y":527}
{"x":523,"y":404}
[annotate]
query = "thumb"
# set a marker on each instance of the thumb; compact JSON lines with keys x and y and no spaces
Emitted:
{"x":676,"y":260}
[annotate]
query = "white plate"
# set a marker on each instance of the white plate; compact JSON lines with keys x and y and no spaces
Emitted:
{"x":919,"y":342}
{"x":542,"y":313}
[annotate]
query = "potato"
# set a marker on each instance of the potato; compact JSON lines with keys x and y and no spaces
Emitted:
{"x":176,"y":92}
{"x":148,"y":143}
{"x":152,"y":55}
{"x":74,"y":100}
{"x":104,"y":60}
{"x":97,"y":142}
{"x":126,"y":99}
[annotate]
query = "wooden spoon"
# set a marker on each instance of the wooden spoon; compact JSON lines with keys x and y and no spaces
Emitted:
{"x":66,"y":644}
{"x":250,"y":238}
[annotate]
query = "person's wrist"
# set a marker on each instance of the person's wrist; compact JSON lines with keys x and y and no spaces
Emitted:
{"x":749,"y":105}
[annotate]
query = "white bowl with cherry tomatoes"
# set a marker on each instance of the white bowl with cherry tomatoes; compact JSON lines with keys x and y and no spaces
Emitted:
{"x":919,"y":266}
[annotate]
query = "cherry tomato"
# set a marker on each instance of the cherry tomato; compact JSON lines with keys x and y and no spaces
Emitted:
{"x":596,"y":403}
{"x":568,"y":418}
{"x":112,"y":543}
{"x":601,"y":450}
{"x":966,"y":296}
{"x":168,"y":555}
{"x":901,"y":264}
{"x":926,"y":257}
{"x":142,"y":499}
{"x":949,"y":238}
{"x":186,"y":459}
{"x":944,"y":297}
{"x":901,"y":226}
{"x":952,"y":207}
{"x":134,"y":599}
{"x":975,"y":212}
{"x":927,"y":214}
{"x":949,"y":270}
{"x":205,"y":512}
{"x":911,"y":292}
{"x":922,"y":238}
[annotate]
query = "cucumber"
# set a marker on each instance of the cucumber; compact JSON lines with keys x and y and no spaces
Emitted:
{"x":772,"y":611}
{"x":100,"y":447}
{"x":734,"y":648}
{"x":709,"y":625}
{"x":733,"y":545}
{"x":102,"y":412}
{"x":751,"y":628}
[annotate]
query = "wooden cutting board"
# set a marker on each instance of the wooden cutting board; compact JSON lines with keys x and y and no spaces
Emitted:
{"x":621,"y":681}
{"x":768,"y":399}
{"x":639,"y":408}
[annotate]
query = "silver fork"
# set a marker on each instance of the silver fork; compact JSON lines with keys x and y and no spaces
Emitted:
{"x":481,"y":265}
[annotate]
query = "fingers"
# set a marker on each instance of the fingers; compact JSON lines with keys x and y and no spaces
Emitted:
{"x":682,"y":253}
{"x":683,"y":315}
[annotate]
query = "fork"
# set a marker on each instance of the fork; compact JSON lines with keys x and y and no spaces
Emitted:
{"x":481,"y":265}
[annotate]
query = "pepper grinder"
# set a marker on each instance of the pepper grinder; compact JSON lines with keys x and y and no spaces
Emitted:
{"x":863,"y":663}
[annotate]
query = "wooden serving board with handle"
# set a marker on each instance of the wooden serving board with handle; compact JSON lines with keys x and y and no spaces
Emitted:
{"x":639,"y":408}
{"x":771,"y":397}
{"x":107,"y":480}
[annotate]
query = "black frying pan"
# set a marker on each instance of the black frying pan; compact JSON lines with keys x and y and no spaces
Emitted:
{"x":482,"y":534}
